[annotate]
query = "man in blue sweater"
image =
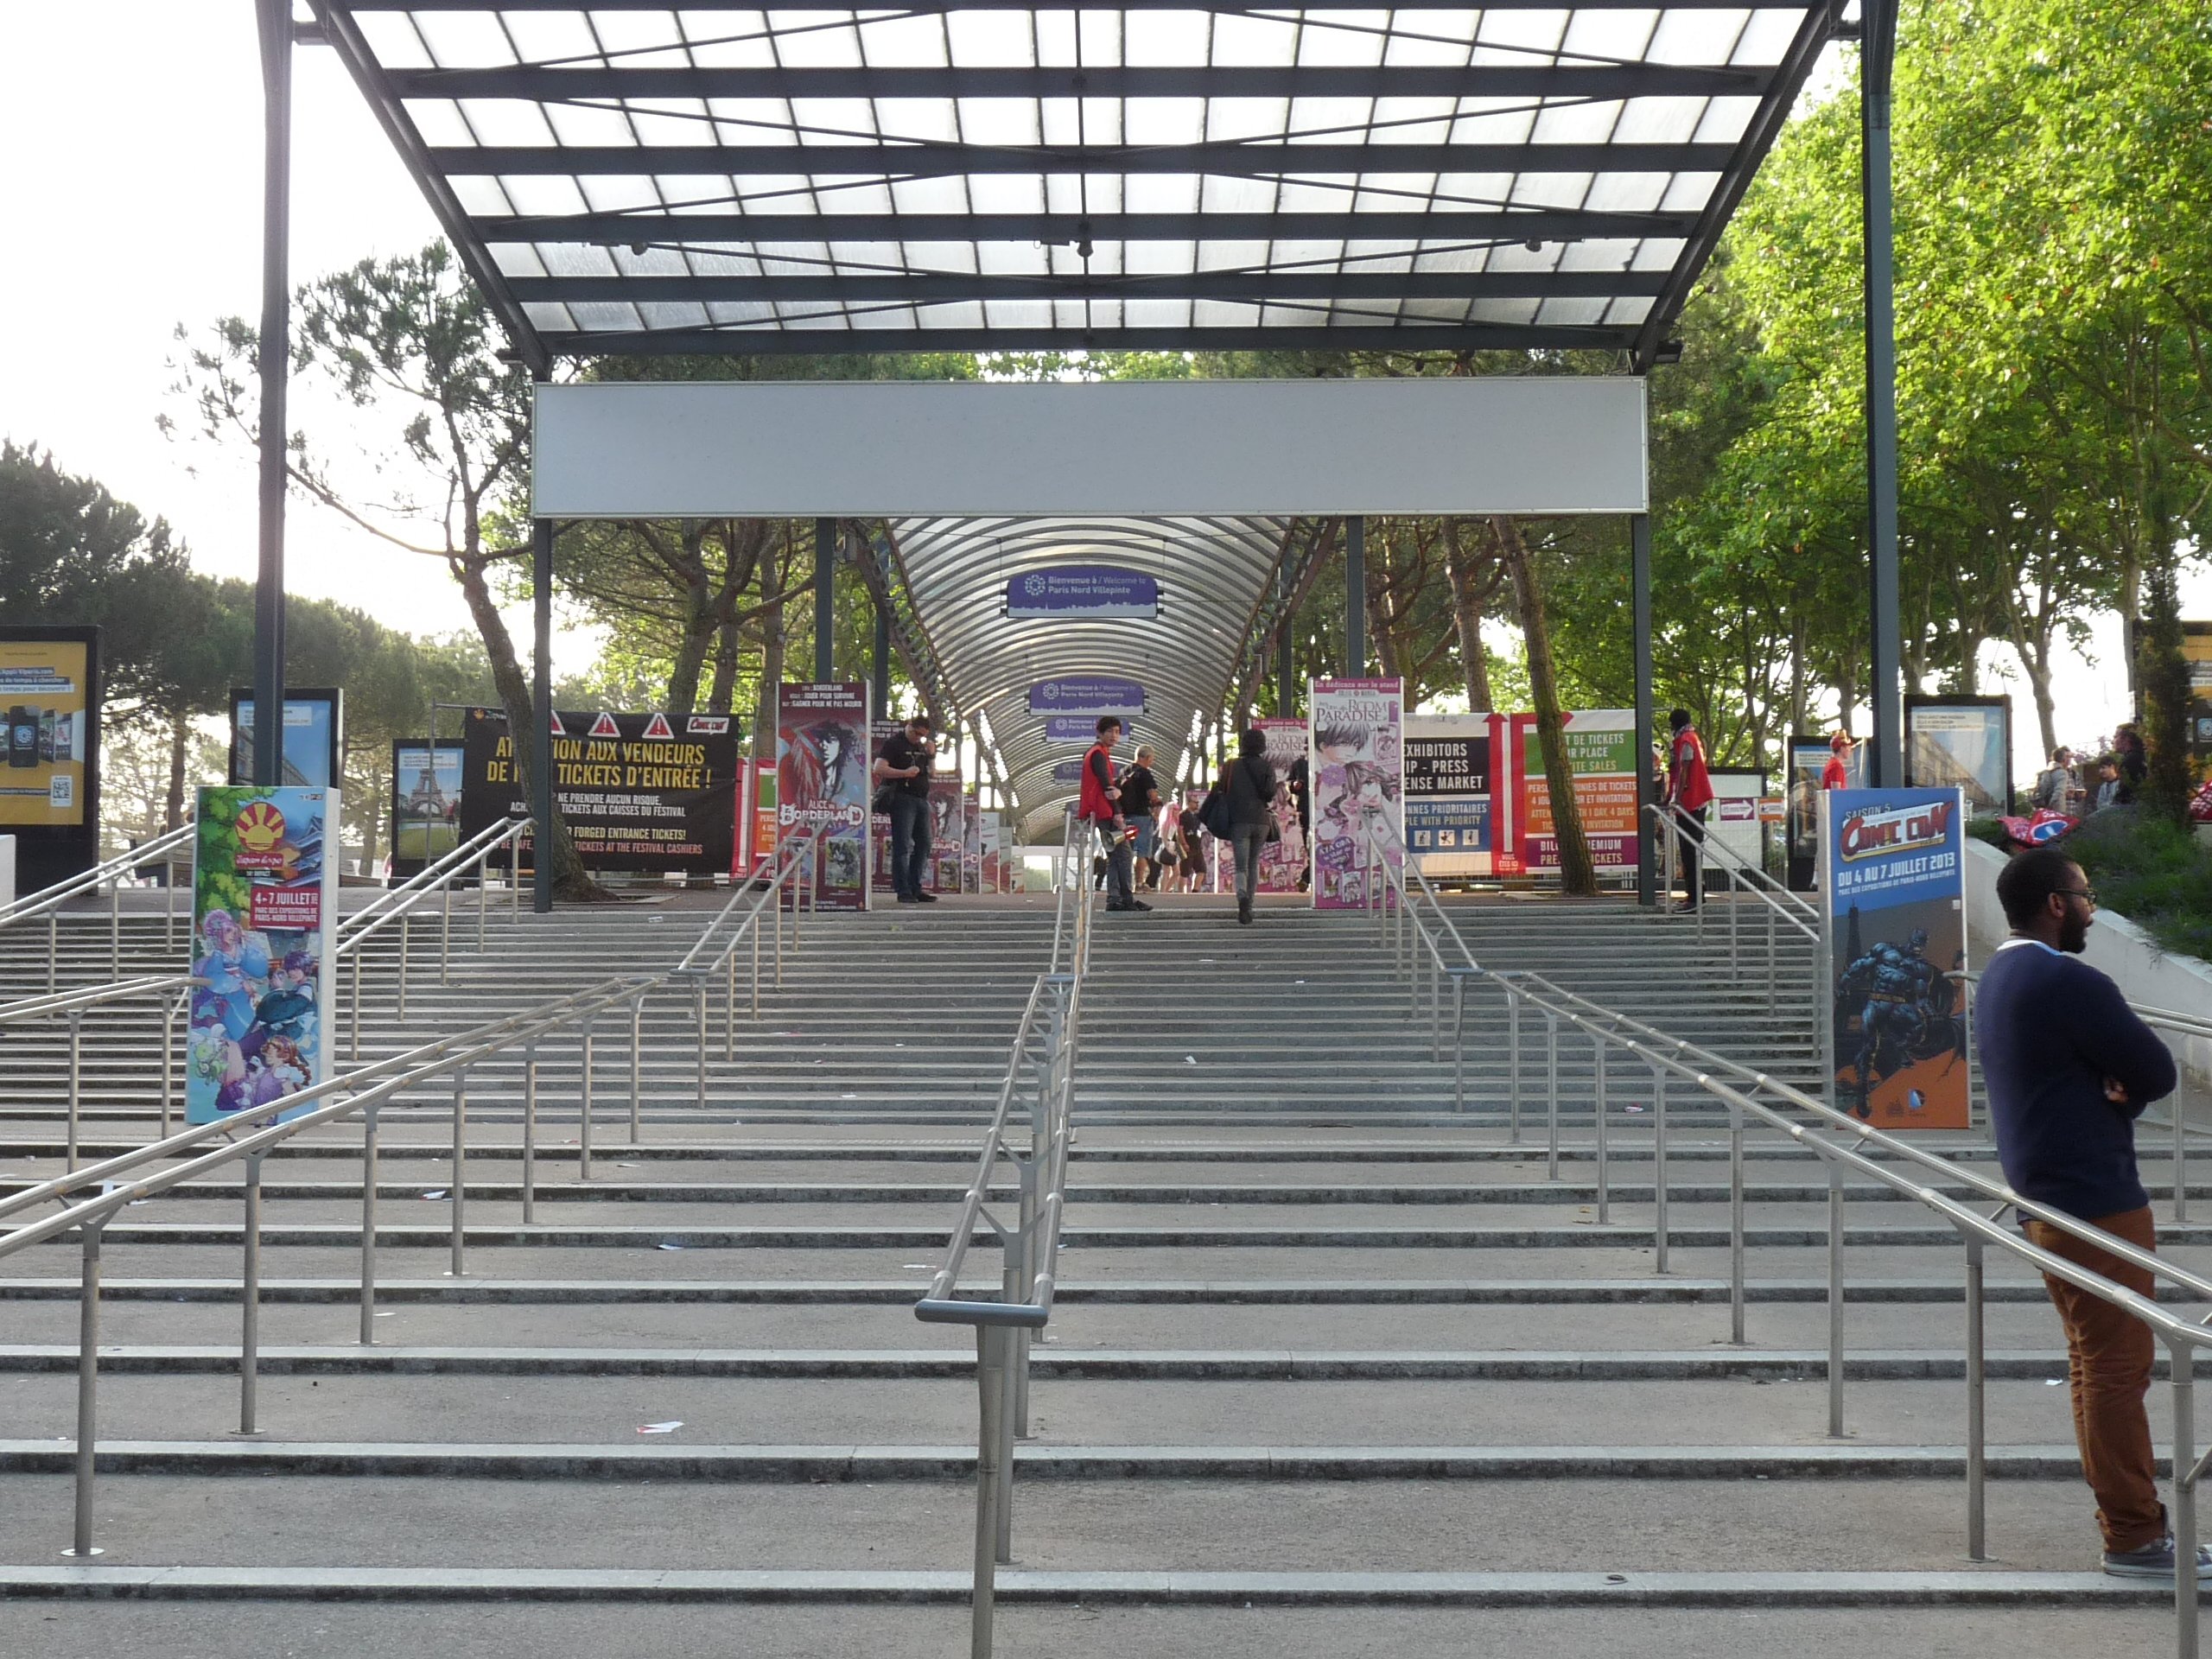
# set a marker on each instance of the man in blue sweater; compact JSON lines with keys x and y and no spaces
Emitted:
{"x":2069,"y":1069}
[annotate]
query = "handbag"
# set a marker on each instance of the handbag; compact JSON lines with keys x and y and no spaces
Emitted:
{"x":1213,"y":812}
{"x":879,"y":802}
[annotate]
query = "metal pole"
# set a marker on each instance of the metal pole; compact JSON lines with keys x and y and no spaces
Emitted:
{"x":168,"y":1058}
{"x":76,"y":1050}
{"x":1735,"y":1223}
{"x":541,"y":716}
{"x":583,"y":1107}
{"x":52,"y":948}
{"x":756,"y":980}
{"x":1835,"y":1301}
{"x":1512,"y":1060}
{"x":1551,"y":1074}
{"x":1659,"y":1234}
{"x":369,"y":1222}
{"x":115,"y":928}
{"x":445,"y":936}
{"x":1976,"y":1418}
{"x":1647,"y":840}
{"x":530,"y":1134}
{"x":250,"y":1299}
{"x":638,"y":1063}
{"x":1459,"y":1054}
{"x":1355,"y":596}
{"x":699,"y":1010}
{"x":2181,"y":1359}
{"x":990,"y":1370}
{"x":1877,"y":51}
{"x":2181,"y":1155}
{"x":825,"y":597}
{"x":275,"y":353}
{"x":729,"y":1009}
{"x":406,"y":940}
{"x":460,"y":1172}
{"x":360,"y":971}
{"x":88,"y":1388}
{"x":882,"y":699}
{"x":1597,"y":1103}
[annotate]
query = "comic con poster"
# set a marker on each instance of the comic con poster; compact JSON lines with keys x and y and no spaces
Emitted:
{"x":1282,"y":860}
{"x":1893,"y":908}
{"x":822,"y":782}
{"x":1356,"y":763}
{"x":264,"y":914}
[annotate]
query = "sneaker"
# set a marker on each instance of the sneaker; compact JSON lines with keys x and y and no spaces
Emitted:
{"x":2154,"y":1560}
{"x":1136,"y":904}
{"x":908,"y":899}
{"x":925,"y":898}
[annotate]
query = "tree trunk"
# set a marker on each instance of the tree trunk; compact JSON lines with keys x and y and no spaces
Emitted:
{"x":723,"y":687}
{"x":698,"y":632}
{"x":570,"y":879}
{"x":771,"y":676}
{"x":1468,"y":615}
{"x":180,"y":737}
{"x":1578,"y":876}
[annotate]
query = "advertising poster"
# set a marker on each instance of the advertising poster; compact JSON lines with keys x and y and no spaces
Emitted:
{"x":1601,"y":755}
{"x":1893,"y":915}
{"x":763,"y":848}
{"x":653,"y":794}
{"x":995,"y":878}
{"x":1087,"y":696}
{"x":264,"y":920}
{"x":1962,"y":743}
{"x":49,"y":785}
{"x":1808,"y":758}
{"x":1358,"y":768}
{"x":314,"y":730}
{"x":1734,"y":822}
{"x":822,"y":782}
{"x":1448,"y":793}
{"x":945,"y":834}
{"x":971,"y":844}
{"x":880,"y":731}
{"x":1282,"y":861}
{"x":425,"y":802}
{"x":1073,"y":590}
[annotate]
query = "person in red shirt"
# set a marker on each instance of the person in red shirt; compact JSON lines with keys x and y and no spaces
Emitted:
{"x":1837,"y":774}
{"x":1099,"y":803}
{"x":1690,"y":798}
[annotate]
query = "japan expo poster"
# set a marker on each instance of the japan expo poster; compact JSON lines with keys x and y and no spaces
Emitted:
{"x":822,"y":784}
{"x":1893,"y":911}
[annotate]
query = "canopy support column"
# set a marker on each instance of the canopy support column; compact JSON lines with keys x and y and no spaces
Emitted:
{"x":541,"y":715}
{"x":825,"y":597}
{"x":882,"y":663}
{"x":1355,"y":596}
{"x":1877,"y":51}
{"x":276,"y":21}
{"x":1647,"y":838}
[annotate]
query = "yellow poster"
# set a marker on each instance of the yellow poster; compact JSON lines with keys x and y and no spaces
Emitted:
{"x":42,"y":697}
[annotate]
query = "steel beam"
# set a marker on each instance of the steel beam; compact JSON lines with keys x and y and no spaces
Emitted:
{"x":1639,"y":534}
{"x":881,"y":707}
{"x":934,"y":159}
{"x":956,"y":287}
{"x":1355,"y":596}
{"x":275,"y":17}
{"x":541,"y":713}
{"x":1443,"y":223}
{"x":1271,"y":10}
{"x":1886,"y":687}
{"x":825,"y":599}
{"x":1383,"y":334}
{"x":538,"y":83}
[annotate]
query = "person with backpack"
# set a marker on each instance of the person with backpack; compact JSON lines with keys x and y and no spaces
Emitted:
{"x":1240,"y":804}
{"x":1099,"y":804}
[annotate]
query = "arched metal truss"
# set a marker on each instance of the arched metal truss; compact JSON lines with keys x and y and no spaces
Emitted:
{"x":1214,"y":576}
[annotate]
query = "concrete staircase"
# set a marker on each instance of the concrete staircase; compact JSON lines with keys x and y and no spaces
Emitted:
{"x":1335,"y":1370}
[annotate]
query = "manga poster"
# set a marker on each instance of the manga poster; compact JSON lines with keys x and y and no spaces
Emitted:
{"x":1356,"y":762}
{"x":265,"y":915}
{"x":1448,"y":792}
{"x":972,"y":844}
{"x":1282,"y":862}
{"x":822,"y":782}
{"x":1893,"y":912}
{"x":946,"y":835}
{"x":880,"y":731}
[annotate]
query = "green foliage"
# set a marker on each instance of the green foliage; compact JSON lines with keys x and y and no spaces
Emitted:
{"x":2163,"y":673}
{"x":2152,"y":871}
{"x":217,"y":844}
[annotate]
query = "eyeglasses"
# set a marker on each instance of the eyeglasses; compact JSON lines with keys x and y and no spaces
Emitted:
{"x":2090,"y":893}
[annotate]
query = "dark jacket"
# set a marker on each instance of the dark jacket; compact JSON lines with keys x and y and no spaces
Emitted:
{"x":1251,"y":786}
{"x":2051,"y":1029}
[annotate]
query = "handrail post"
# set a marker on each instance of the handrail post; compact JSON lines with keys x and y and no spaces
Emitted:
{"x":1728,"y":888}
{"x":76,"y":1051}
{"x":1659,"y":1229}
{"x":483,"y":894}
{"x":1551,"y":1071}
{"x":168,"y":1057}
{"x":699,"y":1006}
{"x":445,"y":940}
{"x":1773,"y":962}
{"x":729,"y":1009}
{"x":637,"y":1064}
{"x":250,"y":1299}
{"x":1735,"y":1223}
{"x":1835,"y":1299}
{"x":776,"y":909}
{"x":2181,"y":1358}
{"x":1459,"y":1052}
{"x":1977,"y":1406}
{"x":1598,"y":1107}
{"x":53,"y":947}
{"x":583,"y":1105}
{"x":115,"y":926}
{"x":1512,"y":1057}
{"x":756,"y":980}
{"x":369,"y":1222}
{"x":88,"y":1388}
{"x":2181,"y":1155}
{"x":406,"y":932}
{"x":990,"y":1372}
{"x":460,"y":1266}
{"x":360,"y":971}
{"x":530,"y":1134}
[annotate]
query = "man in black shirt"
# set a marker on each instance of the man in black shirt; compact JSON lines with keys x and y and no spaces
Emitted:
{"x":1141,"y":807}
{"x":903,"y":769}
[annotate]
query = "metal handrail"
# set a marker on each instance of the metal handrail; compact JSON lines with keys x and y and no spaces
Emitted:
{"x":1669,"y":1057}
{"x":73,"y":1005}
{"x":1726,"y":857}
{"x":48,"y":901}
{"x":270,"y":1125}
{"x":1030,"y":1245}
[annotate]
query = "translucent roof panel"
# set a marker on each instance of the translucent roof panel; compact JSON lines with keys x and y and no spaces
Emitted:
{"x":632,"y":177}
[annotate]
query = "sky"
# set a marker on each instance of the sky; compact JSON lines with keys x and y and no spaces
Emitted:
{"x":133,"y":130}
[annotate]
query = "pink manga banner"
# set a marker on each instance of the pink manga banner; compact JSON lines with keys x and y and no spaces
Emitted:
{"x":1356,"y":762}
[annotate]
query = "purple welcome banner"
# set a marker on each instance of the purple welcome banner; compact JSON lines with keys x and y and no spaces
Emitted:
{"x":1092,"y":695}
{"x":1082,"y":591}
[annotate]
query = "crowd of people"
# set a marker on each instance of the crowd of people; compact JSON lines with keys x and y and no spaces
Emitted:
{"x":2077,"y":785}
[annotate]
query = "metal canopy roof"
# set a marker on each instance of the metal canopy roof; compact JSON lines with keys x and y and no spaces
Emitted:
{"x":980,"y":175}
{"x":1213,"y":573}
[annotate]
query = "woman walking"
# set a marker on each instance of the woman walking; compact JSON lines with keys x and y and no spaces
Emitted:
{"x":1251,"y":785}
